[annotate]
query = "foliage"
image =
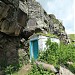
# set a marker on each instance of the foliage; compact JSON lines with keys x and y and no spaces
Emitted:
{"x":72,"y":36}
{"x":11,"y":69}
{"x":55,"y":21}
{"x":48,"y":34}
{"x":50,"y":55}
{"x":71,"y":67}
{"x":58,"y":55}
{"x":66,"y":53}
{"x":8,"y":70}
{"x":39,"y":70}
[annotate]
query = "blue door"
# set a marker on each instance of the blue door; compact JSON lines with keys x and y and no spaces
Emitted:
{"x":35,"y":49}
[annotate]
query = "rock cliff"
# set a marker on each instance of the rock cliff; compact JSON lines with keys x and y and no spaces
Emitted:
{"x":28,"y":16}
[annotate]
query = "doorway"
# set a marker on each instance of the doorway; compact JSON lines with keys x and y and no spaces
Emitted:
{"x":34,"y":49}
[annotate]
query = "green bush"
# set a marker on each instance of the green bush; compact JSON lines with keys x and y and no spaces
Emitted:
{"x":9,"y":70}
{"x":71,"y":67}
{"x":66,"y":53}
{"x":39,"y":70}
{"x":58,"y":55}
{"x":50,"y":54}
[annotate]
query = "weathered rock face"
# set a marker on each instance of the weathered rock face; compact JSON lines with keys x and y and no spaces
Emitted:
{"x":39,"y":19}
{"x":8,"y":50}
{"x":12,"y":21}
{"x":12,"y":51}
{"x":57,"y":28}
{"x":8,"y":16}
{"x":28,"y":16}
{"x":64,"y":71}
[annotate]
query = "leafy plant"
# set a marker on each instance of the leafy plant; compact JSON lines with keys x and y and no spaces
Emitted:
{"x":50,"y":55}
{"x":39,"y":70}
{"x":58,"y":55}
{"x":9,"y":70}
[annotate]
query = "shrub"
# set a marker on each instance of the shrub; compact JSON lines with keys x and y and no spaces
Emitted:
{"x":50,"y":54}
{"x":39,"y":70}
{"x":58,"y":55}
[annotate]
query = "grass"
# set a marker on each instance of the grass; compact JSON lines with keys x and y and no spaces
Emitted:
{"x":48,"y":35}
{"x":72,"y":36}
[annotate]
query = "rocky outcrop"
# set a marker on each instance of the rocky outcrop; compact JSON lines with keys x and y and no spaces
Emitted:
{"x":28,"y":16}
{"x":12,"y":51}
{"x":57,"y":28}
{"x":8,"y":51}
{"x":8,"y":16}
{"x":47,"y":66}
{"x":64,"y":71}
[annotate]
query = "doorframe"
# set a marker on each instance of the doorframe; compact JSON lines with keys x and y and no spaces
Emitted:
{"x":31,"y":48}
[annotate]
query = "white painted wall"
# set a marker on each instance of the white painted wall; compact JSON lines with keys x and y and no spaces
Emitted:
{"x":42,"y":42}
{"x":55,"y":40}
